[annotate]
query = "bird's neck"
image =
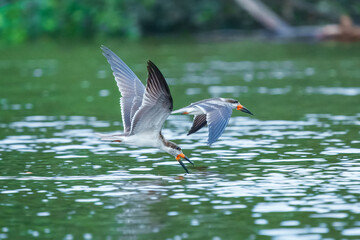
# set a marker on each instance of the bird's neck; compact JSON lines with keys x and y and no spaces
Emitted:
{"x":166,"y":144}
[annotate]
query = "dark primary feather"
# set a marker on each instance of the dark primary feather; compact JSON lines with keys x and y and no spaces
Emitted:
{"x":199,"y":122}
{"x":157,"y":103}
{"x":157,"y":84}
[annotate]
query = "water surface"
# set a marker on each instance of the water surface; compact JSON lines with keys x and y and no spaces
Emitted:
{"x":292,"y":171}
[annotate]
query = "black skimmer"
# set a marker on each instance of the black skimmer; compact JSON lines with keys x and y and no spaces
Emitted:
{"x":143,"y":110}
{"x":214,"y":112}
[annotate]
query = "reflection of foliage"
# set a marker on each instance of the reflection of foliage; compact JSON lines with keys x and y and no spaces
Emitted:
{"x":28,"y":19}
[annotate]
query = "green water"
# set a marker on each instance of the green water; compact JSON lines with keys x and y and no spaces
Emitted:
{"x":291,"y":171}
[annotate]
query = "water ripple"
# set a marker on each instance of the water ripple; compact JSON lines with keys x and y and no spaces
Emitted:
{"x":267,"y":167}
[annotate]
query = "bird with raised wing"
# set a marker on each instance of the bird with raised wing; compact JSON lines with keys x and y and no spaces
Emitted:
{"x":214,"y":112}
{"x":143,"y":110}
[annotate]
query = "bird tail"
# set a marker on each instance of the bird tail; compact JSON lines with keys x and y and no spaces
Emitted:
{"x":105,"y":137}
{"x":181,"y":110}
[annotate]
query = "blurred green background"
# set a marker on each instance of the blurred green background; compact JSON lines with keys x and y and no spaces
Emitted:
{"x":27,"y":20}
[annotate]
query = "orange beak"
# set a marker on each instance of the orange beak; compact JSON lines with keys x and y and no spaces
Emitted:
{"x":178,"y":158}
{"x":181,"y":155}
{"x":239,"y":107}
{"x":243,"y":109}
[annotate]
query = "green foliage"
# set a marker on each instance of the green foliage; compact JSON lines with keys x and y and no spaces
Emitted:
{"x":29,"y":19}
{"x":25,"y":20}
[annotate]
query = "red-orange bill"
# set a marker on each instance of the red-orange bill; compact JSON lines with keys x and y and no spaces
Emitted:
{"x":243,"y":109}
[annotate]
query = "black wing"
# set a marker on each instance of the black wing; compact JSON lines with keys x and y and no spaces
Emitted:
{"x":156,"y":106}
{"x":199,"y":122}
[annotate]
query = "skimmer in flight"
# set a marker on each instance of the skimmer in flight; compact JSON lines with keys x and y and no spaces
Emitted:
{"x":143,"y":109}
{"x":214,"y":112}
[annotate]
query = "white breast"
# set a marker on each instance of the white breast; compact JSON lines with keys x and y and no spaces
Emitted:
{"x":143,"y":140}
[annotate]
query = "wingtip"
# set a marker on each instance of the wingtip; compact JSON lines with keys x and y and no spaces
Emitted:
{"x":105,"y":51}
{"x":189,"y":133}
{"x":150,"y":64}
{"x":154,"y":70}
